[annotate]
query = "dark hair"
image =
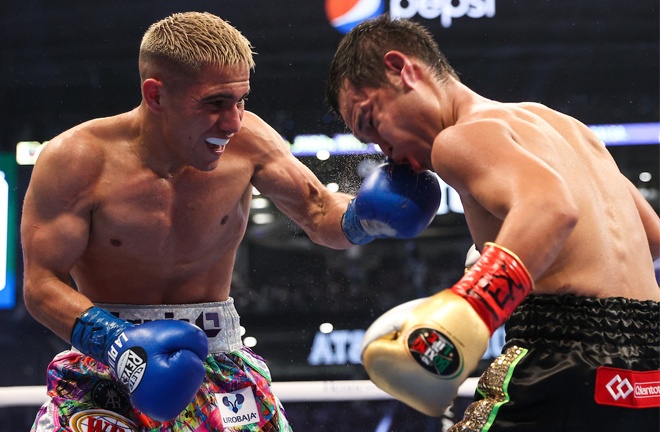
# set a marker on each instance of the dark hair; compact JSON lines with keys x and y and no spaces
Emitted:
{"x":359,"y":56}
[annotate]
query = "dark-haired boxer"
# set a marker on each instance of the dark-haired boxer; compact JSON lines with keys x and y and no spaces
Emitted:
{"x":145,"y":211}
{"x":559,"y":229}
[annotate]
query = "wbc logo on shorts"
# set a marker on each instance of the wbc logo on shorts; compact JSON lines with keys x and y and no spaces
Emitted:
{"x":98,"y":420}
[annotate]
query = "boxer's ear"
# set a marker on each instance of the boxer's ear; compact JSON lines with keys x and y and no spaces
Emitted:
{"x":151,"y":94}
{"x":401,"y":69}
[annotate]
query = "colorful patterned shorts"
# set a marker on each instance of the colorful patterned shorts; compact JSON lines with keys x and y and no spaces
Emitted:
{"x":235,"y":396}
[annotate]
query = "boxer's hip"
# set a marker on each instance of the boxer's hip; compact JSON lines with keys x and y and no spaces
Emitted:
{"x":612,"y":329}
{"x":572,"y":364}
{"x":219,"y":320}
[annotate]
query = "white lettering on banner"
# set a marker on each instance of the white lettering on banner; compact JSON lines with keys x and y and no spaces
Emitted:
{"x":336,"y":348}
{"x":447,"y":10}
{"x":342,"y":347}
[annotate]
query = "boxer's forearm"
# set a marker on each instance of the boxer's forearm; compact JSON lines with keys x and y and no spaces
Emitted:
{"x":54,"y":304}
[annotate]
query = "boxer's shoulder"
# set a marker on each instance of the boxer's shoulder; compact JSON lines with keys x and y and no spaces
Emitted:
{"x":91,"y":142}
{"x":255,"y":133}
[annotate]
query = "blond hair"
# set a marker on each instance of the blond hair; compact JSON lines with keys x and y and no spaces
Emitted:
{"x":188,"y":41}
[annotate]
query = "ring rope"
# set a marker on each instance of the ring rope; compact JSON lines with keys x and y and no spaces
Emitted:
{"x":287,"y":391}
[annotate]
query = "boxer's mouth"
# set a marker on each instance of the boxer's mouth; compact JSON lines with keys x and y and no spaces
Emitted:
{"x":217,"y":145}
{"x":219,"y":142}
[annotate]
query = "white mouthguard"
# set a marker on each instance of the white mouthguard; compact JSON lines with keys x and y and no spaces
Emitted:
{"x":218,"y":141}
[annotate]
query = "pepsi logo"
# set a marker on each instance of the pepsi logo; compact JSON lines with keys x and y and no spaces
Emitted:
{"x":346,"y":14}
{"x":343,"y":15}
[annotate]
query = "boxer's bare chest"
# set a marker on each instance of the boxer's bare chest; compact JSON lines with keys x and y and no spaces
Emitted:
{"x":139,"y":214}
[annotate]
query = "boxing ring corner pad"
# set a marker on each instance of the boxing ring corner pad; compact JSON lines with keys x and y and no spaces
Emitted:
{"x":287,"y":391}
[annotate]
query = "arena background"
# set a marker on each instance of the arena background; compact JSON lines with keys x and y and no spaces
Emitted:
{"x":65,"y":62}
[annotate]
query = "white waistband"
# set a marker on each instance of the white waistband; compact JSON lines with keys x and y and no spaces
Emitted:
{"x":219,"y":320}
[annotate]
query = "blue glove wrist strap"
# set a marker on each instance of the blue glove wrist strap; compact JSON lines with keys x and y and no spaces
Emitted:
{"x":350,"y":224}
{"x":94,"y":332}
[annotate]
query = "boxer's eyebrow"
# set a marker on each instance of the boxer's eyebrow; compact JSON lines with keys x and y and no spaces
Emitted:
{"x":224,"y":96}
{"x":358,"y":131}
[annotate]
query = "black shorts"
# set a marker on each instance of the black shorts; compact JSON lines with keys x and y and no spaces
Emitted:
{"x":573,"y":364}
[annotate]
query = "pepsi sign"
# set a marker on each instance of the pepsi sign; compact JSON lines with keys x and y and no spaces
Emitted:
{"x":346,"y":14}
{"x":343,"y":15}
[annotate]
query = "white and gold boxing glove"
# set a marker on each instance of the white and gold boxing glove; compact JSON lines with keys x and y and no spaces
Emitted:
{"x":421,"y":352}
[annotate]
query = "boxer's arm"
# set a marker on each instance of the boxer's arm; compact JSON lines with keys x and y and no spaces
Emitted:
{"x":160,"y":362}
{"x":535,"y":206}
{"x":54,"y":233}
{"x":294,"y":189}
{"x":649,"y":217}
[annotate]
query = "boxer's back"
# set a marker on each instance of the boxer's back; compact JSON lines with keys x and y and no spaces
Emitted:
{"x":607,"y":254}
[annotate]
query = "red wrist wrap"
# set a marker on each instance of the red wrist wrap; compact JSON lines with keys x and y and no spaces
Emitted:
{"x":495,"y":285}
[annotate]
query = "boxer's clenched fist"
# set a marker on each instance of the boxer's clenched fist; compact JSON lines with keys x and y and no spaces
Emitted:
{"x":161,"y":363}
{"x":394,"y":201}
{"x":422,"y":351}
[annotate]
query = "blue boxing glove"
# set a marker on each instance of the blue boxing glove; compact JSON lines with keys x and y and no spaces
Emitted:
{"x":393,"y":201}
{"x":160,"y":362}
